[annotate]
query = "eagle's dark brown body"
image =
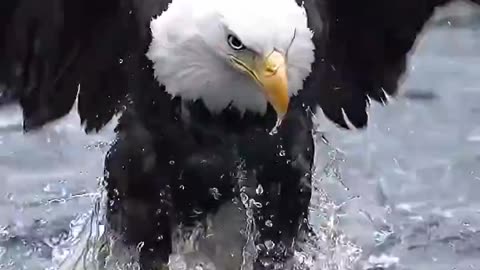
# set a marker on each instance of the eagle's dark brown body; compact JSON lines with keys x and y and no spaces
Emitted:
{"x":162,"y":169}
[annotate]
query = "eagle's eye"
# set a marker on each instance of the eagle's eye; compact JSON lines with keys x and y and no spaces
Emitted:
{"x":235,"y":43}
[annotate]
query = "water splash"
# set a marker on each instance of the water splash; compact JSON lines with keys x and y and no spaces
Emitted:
{"x":249,"y":251}
{"x":86,"y":239}
{"x":327,"y":248}
{"x":276,"y":126}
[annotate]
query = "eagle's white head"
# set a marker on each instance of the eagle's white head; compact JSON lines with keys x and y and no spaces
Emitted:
{"x":229,"y":52}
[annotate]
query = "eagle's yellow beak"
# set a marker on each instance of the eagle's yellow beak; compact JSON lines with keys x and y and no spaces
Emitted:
{"x":270,"y":72}
{"x":272,"y":76}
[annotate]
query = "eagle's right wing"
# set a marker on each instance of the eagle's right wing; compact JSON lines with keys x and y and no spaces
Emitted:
{"x":51,"y":49}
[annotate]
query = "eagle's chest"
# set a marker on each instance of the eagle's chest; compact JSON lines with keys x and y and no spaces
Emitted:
{"x":229,"y":123}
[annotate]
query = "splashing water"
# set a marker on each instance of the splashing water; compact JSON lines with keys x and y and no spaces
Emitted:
{"x":88,"y":246}
{"x":276,"y":126}
{"x":328,"y":248}
{"x":85,"y":240}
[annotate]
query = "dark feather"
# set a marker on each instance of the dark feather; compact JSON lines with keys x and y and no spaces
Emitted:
{"x":51,"y":47}
{"x":361,"y":52}
{"x":48,"y":48}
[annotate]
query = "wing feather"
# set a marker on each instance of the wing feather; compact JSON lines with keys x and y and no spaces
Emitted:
{"x":51,"y":49}
{"x":361,"y":52}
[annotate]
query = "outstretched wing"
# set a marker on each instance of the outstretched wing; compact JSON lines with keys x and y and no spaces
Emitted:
{"x":361,"y":52}
{"x":53,"y":50}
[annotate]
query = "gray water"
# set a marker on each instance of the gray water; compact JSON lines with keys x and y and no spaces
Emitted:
{"x":404,"y":191}
{"x":416,"y":169}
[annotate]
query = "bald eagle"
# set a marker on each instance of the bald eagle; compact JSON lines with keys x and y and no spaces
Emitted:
{"x":201,"y":85}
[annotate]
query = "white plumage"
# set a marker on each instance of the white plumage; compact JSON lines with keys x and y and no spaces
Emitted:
{"x":190,"y":50}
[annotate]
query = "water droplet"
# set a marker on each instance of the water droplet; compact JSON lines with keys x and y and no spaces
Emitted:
{"x":268,"y":223}
{"x":47,"y":188}
{"x":275,"y":128}
{"x":182,"y":187}
{"x":269,"y":244}
{"x":259,"y":190}
{"x":215,"y":193}
{"x":120,"y":61}
{"x":10,"y":196}
{"x":171,"y":162}
{"x":244,"y":198}
{"x":4,"y":233}
{"x":282,"y":153}
{"x":381,"y":236}
{"x":257,"y":204}
{"x":140,"y":246}
{"x":197,"y":211}
{"x":2,"y":252}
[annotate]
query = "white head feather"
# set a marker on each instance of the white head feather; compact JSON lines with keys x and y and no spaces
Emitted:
{"x":190,"y":51}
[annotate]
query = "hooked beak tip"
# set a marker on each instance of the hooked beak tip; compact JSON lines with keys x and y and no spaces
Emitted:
{"x":274,"y":81}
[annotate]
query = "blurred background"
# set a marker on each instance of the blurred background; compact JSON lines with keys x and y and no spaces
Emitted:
{"x":403,"y":194}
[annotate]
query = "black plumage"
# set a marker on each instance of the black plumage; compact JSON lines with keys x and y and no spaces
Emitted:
{"x":170,"y":154}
